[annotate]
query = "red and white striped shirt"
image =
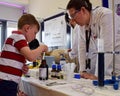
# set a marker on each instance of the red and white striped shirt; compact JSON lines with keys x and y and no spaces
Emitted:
{"x":11,"y":61}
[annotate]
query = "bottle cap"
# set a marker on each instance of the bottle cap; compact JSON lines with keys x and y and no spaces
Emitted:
{"x":77,"y":76}
{"x":58,"y":67}
{"x":53,"y":66}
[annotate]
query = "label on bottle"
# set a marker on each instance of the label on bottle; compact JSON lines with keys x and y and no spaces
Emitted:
{"x":62,"y":63}
{"x":53,"y":74}
{"x":43,"y":72}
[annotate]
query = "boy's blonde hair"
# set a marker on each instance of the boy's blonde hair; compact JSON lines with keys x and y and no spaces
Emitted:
{"x":27,"y":19}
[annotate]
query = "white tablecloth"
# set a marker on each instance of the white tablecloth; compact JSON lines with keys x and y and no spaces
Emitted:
{"x":76,"y":87}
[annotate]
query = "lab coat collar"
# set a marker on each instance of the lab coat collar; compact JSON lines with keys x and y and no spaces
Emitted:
{"x":93,"y":20}
{"x":87,"y":27}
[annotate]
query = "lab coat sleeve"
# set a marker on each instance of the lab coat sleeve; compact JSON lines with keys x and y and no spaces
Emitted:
{"x":74,"y":52}
{"x":106,"y":33}
{"x":82,"y":50}
{"x":117,"y":44}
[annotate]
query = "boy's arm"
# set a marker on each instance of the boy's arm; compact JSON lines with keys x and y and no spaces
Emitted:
{"x":32,"y":55}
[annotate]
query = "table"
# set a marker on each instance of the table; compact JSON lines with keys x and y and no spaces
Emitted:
{"x":76,"y":87}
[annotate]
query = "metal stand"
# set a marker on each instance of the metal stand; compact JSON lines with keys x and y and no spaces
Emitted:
{"x":113,"y":81}
{"x":100,"y":69}
{"x":101,"y":82}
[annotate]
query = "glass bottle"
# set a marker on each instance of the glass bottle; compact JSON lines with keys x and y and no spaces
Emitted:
{"x":43,"y":70}
{"x":59,"y":72}
{"x":62,"y":61}
{"x":53,"y":71}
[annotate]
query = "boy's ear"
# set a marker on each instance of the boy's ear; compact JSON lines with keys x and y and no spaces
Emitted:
{"x":26,"y":27}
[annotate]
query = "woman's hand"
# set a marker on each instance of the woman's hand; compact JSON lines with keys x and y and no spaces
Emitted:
{"x":88,"y":76}
{"x":69,"y":50}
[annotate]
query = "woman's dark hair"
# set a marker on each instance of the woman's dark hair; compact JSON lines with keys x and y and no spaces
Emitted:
{"x":77,"y":4}
{"x":67,"y":19}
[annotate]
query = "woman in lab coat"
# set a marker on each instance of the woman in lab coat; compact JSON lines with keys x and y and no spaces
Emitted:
{"x":98,"y":22}
{"x":74,"y":52}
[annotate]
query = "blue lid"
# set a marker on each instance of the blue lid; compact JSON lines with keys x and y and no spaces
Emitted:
{"x":77,"y":76}
{"x":58,"y":67}
{"x":53,"y":66}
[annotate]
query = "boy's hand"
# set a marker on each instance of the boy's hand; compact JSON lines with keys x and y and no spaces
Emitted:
{"x":43,"y":48}
{"x":25,"y":69}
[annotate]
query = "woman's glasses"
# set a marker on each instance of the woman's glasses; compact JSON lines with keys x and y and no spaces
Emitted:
{"x":75,"y":13}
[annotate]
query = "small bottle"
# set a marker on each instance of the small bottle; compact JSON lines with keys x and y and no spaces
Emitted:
{"x":35,"y":63}
{"x":62,"y":61}
{"x":58,"y":72}
{"x":43,"y":71}
{"x":53,"y":71}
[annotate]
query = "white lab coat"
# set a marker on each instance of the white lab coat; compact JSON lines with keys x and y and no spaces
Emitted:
{"x":101,"y":24}
{"x":75,"y":43}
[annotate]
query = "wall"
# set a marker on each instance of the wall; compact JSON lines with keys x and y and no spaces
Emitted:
{"x":96,"y":2}
{"x":19,"y":2}
{"x":10,"y":10}
{"x":10,"y":13}
{"x":46,"y":8}
{"x":40,"y":8}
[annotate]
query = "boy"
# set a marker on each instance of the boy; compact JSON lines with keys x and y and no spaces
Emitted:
{"x":15,"y":52}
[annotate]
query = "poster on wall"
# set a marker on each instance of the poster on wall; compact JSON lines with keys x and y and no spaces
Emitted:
{"x":55,"y":32}
{"x":116,"y":6}
{"x":118,"y":9}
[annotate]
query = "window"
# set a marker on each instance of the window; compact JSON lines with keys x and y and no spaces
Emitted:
{"x":11,"y":26}
{"x":6,"y":28}
{"x":2,"y":33}
{"x":0,"y":36}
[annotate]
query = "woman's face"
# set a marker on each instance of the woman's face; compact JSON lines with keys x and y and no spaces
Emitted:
{"x":81,"y":17}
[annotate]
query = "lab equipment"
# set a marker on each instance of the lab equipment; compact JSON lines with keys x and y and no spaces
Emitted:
{"x":113,"y":81}
{"x":54,"y":70}
{"x":43,"y":69}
